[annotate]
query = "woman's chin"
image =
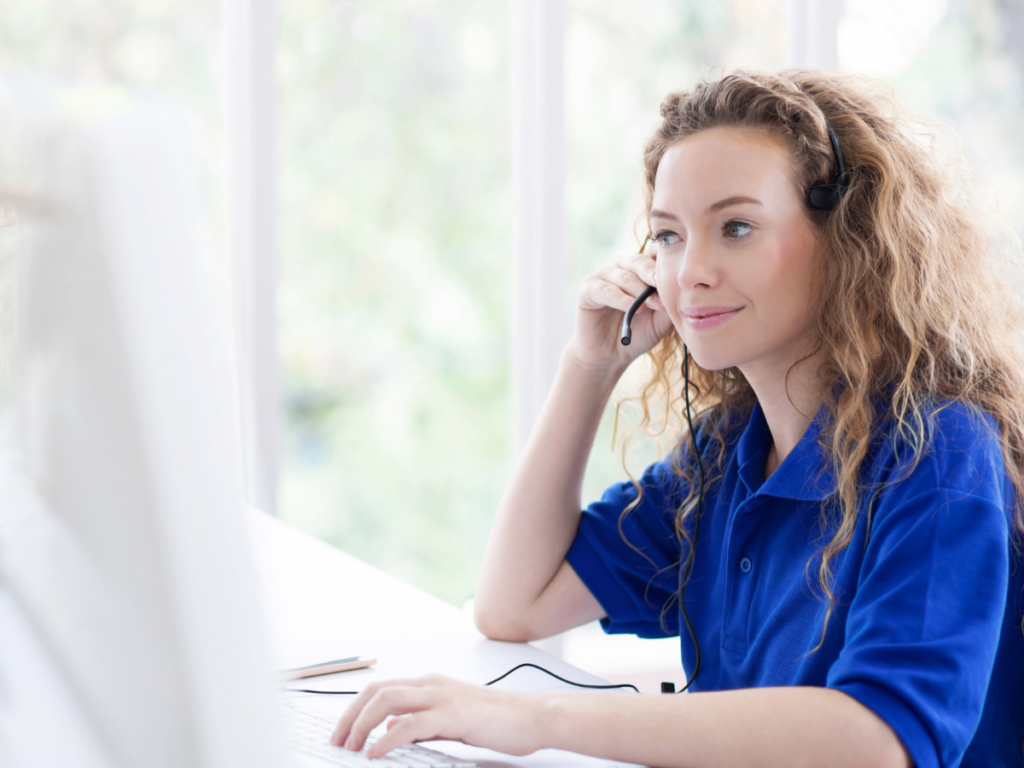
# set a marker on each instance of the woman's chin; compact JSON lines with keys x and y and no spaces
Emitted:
{"x":712,"y":360}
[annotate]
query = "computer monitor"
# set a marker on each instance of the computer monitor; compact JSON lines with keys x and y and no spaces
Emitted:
{"x":130,"y":633}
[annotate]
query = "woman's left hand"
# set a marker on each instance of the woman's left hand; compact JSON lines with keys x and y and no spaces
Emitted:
{"x":436,"y":707}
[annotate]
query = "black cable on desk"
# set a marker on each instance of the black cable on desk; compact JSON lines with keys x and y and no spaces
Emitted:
{"x":492,"y":682}
{"x":558,"y":677}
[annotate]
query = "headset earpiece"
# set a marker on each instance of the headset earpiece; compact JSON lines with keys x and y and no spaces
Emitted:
{"x":825,"y":197}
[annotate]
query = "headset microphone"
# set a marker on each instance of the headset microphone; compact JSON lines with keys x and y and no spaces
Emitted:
{"x":626,"y":336}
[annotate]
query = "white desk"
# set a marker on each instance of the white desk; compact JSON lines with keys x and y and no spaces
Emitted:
{"x":324,"y":604}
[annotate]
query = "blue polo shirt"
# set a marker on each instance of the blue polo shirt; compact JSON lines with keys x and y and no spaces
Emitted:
{"x":926,"y":630}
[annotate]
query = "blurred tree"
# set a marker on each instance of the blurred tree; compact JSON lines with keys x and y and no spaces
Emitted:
{"x":394,"y":299}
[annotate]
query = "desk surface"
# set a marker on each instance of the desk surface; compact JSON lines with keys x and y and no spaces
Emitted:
{"x":324,"y":604}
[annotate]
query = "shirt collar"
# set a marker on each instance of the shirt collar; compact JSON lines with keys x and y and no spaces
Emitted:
{"x":806,"y":474}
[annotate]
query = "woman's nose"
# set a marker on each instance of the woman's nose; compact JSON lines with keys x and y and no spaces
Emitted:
{"x":696,"y":268}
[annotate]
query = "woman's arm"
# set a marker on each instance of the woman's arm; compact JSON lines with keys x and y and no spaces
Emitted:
{"x":785,"y":726}
{"x":526,"y":589}
{"x":752,"y":727}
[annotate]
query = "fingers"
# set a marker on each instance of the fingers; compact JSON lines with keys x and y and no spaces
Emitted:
{"x":597,"y":293}
{"x":654,"y":302}
{"x":421,"y":726}
{"x":643,"y":264}
{"x":439,"y":708}
{"x":610,"y":286}
{"x":627,"y":278}
{"x":341,"y":731}
{"x":393,"y":701}
{"x":380,"y":700}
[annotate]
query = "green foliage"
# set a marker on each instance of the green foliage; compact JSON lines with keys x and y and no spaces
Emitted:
{"x":396,"y":247}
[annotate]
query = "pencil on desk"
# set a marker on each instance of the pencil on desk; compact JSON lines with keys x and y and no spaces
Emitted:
{"x":326,"y":668}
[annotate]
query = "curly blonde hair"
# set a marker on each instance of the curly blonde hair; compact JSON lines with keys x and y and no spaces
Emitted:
{"x":920,"y":312}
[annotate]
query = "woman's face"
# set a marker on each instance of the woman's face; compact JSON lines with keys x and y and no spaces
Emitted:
{"x":737,"y":260}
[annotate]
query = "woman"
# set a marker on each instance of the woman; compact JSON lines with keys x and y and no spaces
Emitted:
{"x":841,"y":554}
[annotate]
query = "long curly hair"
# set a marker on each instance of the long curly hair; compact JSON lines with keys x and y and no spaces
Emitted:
{"x":919,"y":305}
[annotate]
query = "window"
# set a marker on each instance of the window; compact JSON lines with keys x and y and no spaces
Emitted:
{"x":395,"y":270}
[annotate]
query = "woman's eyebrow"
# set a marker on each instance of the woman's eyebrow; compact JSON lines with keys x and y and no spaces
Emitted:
{"x":734,"y":200}
{"x":656,"y":214}
{"x":713,"y":208}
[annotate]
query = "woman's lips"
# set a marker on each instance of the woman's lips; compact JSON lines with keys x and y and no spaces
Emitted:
{"x":702,"y":318}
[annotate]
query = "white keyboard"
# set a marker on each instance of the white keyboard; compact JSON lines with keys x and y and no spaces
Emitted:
{"x":310,"y":733}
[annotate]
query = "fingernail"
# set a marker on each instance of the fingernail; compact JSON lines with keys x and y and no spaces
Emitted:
{"x":350,"y":744}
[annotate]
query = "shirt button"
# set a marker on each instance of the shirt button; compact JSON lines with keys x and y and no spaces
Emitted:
{"x":746,"y":565}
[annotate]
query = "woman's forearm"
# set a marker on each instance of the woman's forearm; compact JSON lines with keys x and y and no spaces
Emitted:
{"x":539,"y":512}
{"x":785,"y":726}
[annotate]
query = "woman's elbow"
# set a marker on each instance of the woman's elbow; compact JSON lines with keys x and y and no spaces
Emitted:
{"x":497,"y":625}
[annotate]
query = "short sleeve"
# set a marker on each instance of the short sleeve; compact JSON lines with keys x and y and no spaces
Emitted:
{"x":923,"y":628}
{"x":633,"y":571}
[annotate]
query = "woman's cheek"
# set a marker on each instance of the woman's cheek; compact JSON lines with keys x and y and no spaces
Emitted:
{"x":668,"y":290}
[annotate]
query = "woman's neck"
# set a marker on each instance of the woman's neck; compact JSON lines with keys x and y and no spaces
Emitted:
{"x":789,"y":404}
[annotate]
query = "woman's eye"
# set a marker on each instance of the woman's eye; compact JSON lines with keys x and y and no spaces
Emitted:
{"x":735,"y":228}
{"x":665,"y":239}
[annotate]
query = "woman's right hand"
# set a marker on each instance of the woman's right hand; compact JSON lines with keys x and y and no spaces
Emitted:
{"x":602,"y":301}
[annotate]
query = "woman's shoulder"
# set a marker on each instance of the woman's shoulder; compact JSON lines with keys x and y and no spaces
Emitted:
{"x":960,"y":425}
{"x":956,"y":445}
{"x":956,"y":427}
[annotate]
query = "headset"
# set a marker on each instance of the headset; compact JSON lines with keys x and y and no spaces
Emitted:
{"x":823,"y":197}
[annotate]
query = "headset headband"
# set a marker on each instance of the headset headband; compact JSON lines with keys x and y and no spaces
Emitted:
{"x":825,"y":197}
